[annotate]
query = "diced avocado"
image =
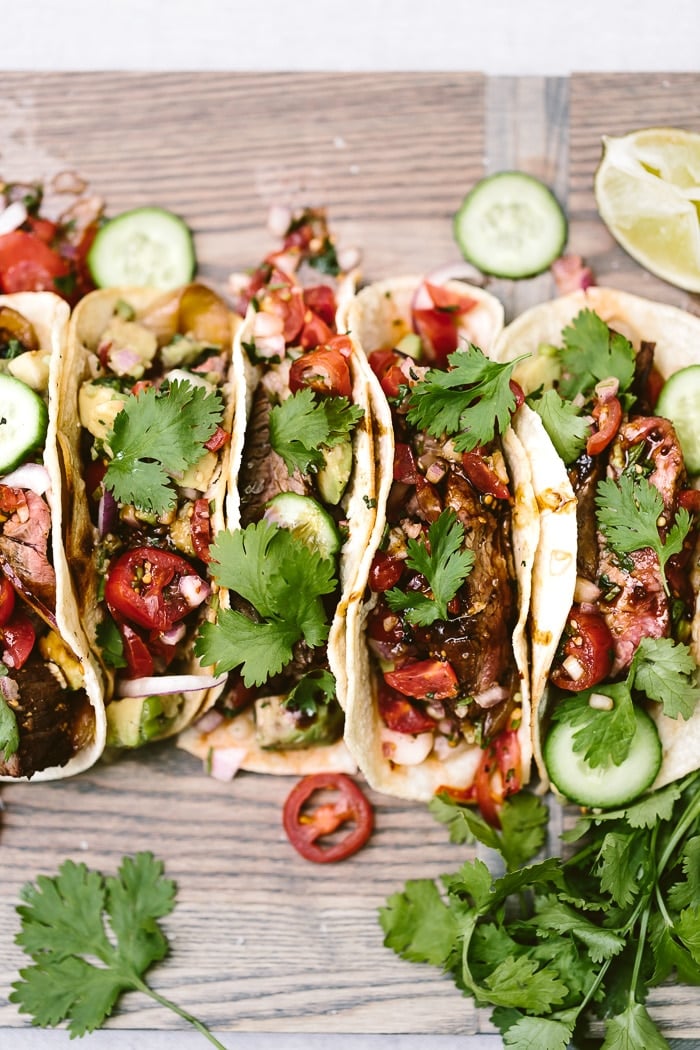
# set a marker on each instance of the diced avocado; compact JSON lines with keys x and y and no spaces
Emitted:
{"x":279,"y":729}
{"x":182,"y":351}
{"x":134,"y":720}
{"x":98,"y":407}
{"x":128,"y":347}
{"x":411,"y":345}
{"x":333,"y":477}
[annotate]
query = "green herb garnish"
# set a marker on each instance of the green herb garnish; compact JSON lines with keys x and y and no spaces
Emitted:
{"x":302,"y":426}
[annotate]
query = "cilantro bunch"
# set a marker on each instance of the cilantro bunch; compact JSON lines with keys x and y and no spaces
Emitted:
{"x":302,"y":426}
{"x":556,"y":944}
{"x":91,"y":938}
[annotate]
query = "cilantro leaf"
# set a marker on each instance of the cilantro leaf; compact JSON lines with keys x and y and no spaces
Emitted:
{"x":562,"y":420}
{"x":523,"y":820}
{"x":418,"y":925}
{"x":666,"y":672}
{"x":90,"y":939}
{"x":601,"y":736}
{"x":471,"y":400}
{"x":537,"y":1033}
{"x":284,"y":581}
{"x":688,"y":929}
{"x":302,"y":425}
{"x":687,"y":892}
{"x":622,"y":861}
{"x":522,"y":982}
{"x":632,"y":1028}
{"x":311,"y":693}
{"x":157,"y":436}
{"x":600,"y":943}
{"x":593,"y":352}
{"x":9,"y":732}
{"x":110,"y":642}
{"x":628,"y":512}
{"x":444,"y":565}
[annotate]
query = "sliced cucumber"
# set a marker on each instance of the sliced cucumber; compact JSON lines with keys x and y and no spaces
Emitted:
{"x":306,"y":519}
{"x":679,"y":401}
{"x":143,"y":247}
{"x":23,"y":422}
{"x":603,"y":787}
{"x":510,"y":225}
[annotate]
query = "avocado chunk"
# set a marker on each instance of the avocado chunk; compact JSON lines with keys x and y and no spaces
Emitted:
{"x":333,"y":477}
{"x":279,"y":728}
{"x":135,"y":720}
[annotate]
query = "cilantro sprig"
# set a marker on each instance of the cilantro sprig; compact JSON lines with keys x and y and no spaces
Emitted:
{"x":445,"y":567}
{"x":9,"y":732}
{"x":663,"y":670}
{"x":285,"y":582}
{"x":563,"y":421}
{"x":302,"y":425}
{"x":628,"y":513}
{"x":471,"y":400}
{"x":91,"y":938}
{"x":593,"y":352}
{"x":557,"y":943}
{"x":156,"y":436}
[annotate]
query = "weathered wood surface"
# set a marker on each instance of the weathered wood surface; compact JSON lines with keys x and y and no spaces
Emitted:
{"x":263,"y":941}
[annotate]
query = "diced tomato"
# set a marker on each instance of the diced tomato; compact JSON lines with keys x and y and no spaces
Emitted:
{"x":424,"y":679}
{"x":483,"y":477}
{"x":17,"y":638}
{"x":27,"y":264}
{"x":588,"y":641}
{"x":385,"y":571}
{"x":325,"y":371}
{"x":144,"y":587}
{"x":446,"y":299}
{"x":608,"y":415}
{"x":405,"y":469}
{"x":315,"y":331}
{"x":139,"y":661}
{"x":305,"y":827}
{"x":401,"y":715}
{"x":385,"y":365}
{"x":200,"y":527}
{"x":44,"y":229}
{"x":286,"y":302}
{"x":7,"y":599}
{"x":428,"y":499}
{"x":218,"y":439}
{"x":321,"y":299}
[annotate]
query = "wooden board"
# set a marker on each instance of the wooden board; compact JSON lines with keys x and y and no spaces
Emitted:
{"x":263,"y":941}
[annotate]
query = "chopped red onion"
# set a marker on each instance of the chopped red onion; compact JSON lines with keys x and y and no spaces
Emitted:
{"x":209,"y":721}
{"x":225,"y":762}
{"x":194,"y":590}
{"x":491,"y":696}
{"x":106,"y":512}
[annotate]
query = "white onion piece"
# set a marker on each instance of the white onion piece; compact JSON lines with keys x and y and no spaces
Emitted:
{"x":31,"y":476}
{"x":491,"y":696}
{"x":279,"y":219}
{"x":225,"y":762}
{"x":406,"y":749}
{"x":162,"y":685}
{"x":457,"y":271}
{"x":270,"y":346}
{"x":265,"y":324}
{"x":573,"y":667}
{"x":12,"y":217}
{"x":194,"y":590}
{"x":607,"y":389}
{"x":586,"y":591}
{"x":601,"y":702}
{"x":174,"y":635}
{"x":421,"y":298}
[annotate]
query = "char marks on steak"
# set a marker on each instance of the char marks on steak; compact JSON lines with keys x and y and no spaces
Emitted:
{"x":263,"y":473}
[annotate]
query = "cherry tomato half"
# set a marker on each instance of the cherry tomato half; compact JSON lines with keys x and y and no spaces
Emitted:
{"x":306,"y":826}
{"x":143,"y":586}
{"x":590,"y":643}
{"x":17,"y":639}
{"x":28,"y":264}
{"x":424,"y":679}
{"x":139,"y":661}
{"x":7,"y":600}
{"x":401,"y":715}
{"x":483,"y":477}
{"x":325,"y":371}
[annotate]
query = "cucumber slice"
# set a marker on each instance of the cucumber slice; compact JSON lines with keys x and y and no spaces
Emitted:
{"x":306,"y":519}
{"x":679,"y":401}
{"x":143,"y":247}
{"x":510,"y":225}
{"x":605,"y":786}
{"x":23,"y":422}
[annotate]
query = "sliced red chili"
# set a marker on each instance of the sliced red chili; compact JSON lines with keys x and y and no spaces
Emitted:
{"x":306,"y":826}
{"x":200,"y":528}
{"x":608,"y":416}
{"x":325,"y":371}
{"x":483,"y":477}
{"x":424,"y":679}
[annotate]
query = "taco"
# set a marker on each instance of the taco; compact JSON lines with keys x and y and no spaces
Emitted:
{"x":147,"y":405}
{"x":438,"y":691}
{"x":300,"y":513}
{"x":614,"y":618}
{"x":52,"y":720}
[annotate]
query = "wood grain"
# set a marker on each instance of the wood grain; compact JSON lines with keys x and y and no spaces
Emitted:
{"x":263,"y":941}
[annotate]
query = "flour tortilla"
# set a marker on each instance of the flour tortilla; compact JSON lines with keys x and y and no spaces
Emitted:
{"x":49,"y":316}
{"x":359,"y":504}
{"x":676,"y":335}
{"x":378,"y":317}
{"x":88,"y":322}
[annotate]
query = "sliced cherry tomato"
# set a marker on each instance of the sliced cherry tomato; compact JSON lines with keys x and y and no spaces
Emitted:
{"x":386,"y":366}
{"x":200,"y":527}
{"x":483,"y":477}
{"x":608,"y":416}
{"x":7,"y":600}
{"x":143,"y":586}
{"x":139,"y":660}
{"x":405,"y":469}
{"x":17,"y":637}
{"x":325,"y":371}
{"x":321,"y":299}
{"x":385,"y":571}
{"x":424,"y":679}
{"x":305,"y":827}
{"x":589,"y":642}
{"x":27,"y":264}
{"x":44,"y":229}
{"x":401,"y":715}
{"x":315,"y":332}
